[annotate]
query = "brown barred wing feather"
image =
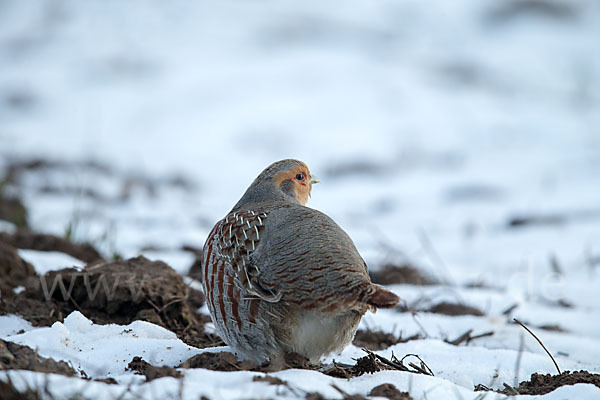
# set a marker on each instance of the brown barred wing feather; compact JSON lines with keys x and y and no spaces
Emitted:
{"x":239,"y":235}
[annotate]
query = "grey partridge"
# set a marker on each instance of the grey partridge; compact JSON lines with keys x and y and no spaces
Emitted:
{"x":281,"y":277}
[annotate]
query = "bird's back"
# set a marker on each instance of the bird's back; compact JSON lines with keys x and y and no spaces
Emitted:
{"x":308,"y":257}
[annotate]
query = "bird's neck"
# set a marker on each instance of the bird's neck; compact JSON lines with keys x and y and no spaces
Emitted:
{"x":263,"y":192}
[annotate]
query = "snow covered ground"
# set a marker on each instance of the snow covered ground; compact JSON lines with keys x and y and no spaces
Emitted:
{"x":460,"y":136}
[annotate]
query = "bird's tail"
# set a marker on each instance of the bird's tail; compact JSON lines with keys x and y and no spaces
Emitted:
{"x":381,"y":297}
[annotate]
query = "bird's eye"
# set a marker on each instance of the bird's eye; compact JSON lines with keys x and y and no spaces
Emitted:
{"x":300,"y":177}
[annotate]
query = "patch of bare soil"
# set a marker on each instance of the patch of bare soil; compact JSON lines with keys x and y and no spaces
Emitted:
{"x":401,"y":274}
{"x":124,"y":291}
{"x":345,"y":396}
{"x":116,"y":292}
{"x":378,"y":340}
{"x":151,"y":372}
{"x":38,"y":312}
{"x":14,"y":271}
{"x":541,"y":384}
{"x":25,"y":239}
{"x":552,"y":327}
{"x":552,"y":219}
{"x":371,"y":363}
{"x":314,"y":396}
{"x":390,"y":392}
{"x":298,"y":361}
{"x":271,"y":380}
{"x":454,"y":309}
{"x":15,"y":356}
{"x":222,"y":361}
{"x":225,"y":361}
{"x":511,"y":10}
{"x":521,"y":221}
{"x":12,"y":210}
{"x":348,"y":396}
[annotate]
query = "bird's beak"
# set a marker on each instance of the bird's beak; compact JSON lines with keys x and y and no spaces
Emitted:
{"x":314,"y":179}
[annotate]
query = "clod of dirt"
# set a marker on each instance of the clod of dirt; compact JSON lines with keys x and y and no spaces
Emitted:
{"x":314,"y":396}
{"x":110,"y":381}
{"x":390,"y":392}
{"x":378,"y":340}
{"x":564,"y":303}
{"x":271,"y":380}
{"x":367,"y":364}
{"x":552,"y":327}
{"x":522,"y":221}
{"x":297,"y":361}
{"x":118,"y":292}
{"x":149,"y":315}
{"x":348,"y":396}
{"x":14,"y":271}
{"x":223,"y":361}
{"x":39,"y":241}
{"x":151,"y":372}
{"x":541,"y":384}
{"x":38,"y":312}
{"x":15,"y":356}
{"x":454,"y":309}
{"x":400,"y":274}
{"x":13,"y":210}
{"x":345,"y":396}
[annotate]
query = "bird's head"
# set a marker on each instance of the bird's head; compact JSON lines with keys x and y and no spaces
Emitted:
{"x":292,"y":177}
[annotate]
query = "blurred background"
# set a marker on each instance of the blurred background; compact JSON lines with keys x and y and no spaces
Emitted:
{"x":462,"y":136}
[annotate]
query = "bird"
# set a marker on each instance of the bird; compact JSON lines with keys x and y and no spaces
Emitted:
{"x":280,"y":277}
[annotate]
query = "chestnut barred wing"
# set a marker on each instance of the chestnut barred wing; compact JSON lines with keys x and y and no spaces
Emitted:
{"x":228,"y":252}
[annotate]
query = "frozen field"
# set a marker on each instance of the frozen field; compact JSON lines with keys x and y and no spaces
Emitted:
{"x":461,"y":138}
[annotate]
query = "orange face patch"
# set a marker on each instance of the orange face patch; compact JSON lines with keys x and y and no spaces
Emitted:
{"x":302,"y":188}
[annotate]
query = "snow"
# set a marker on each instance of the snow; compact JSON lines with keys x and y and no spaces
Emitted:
{"x":105,"y":350}
{"x":46,"y":261}
{"x":430,"y":126}
{"x":12,"y":324}
{"x":19,"y":289}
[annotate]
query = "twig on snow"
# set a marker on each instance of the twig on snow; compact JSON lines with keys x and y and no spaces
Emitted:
{"x":540,"y":342}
